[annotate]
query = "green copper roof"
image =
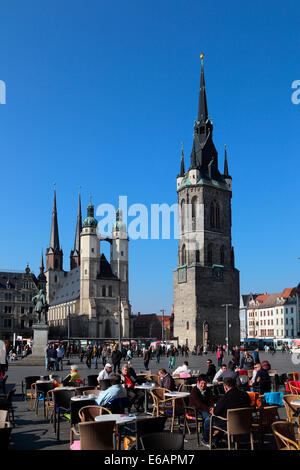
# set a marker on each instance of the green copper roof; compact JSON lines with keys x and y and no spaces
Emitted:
{"x":90,"y":221}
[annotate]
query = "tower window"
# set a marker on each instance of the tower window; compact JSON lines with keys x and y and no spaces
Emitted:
{"x":197,"y":256}
{"x":212,"y":215}
{"x":187,"y":325}
{"x":202,"y":130}
{"x":103,"y":291}
{"x":183,"y":255}
{"x":210,"y":254}
{"x":222,"y":255}
{"x":110,"y":291}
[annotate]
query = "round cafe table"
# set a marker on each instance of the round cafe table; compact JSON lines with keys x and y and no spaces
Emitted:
{"x":177,"y":394}
{"x":146,"y":387}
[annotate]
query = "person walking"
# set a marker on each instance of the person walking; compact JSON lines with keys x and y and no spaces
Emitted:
{"x":95,"y":356}
{"x":146,"y":358}
{"x":220,"y":355}
{"x":116,"y":357}
{"x":60,"y":355}
{"x":89,"y":353}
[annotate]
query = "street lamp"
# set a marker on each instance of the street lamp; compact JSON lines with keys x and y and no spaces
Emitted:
{"x":119,"y":315}
{"x":162,"y":326}
{"x":227,"y":326}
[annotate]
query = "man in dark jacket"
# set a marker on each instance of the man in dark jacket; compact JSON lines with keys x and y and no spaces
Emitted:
{"x":247,"y":362}
{"x":230,"y":372}
{"x":116,"y":357}
{"x":166,"y":380}
{"x":233,"y":398}
{"x":211,"y":370}
{"x":201,"y":397}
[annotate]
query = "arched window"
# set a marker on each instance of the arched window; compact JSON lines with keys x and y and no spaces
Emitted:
{"x":183,"y":255}
{"x":110,"y":291}
{"x":222,"y":255}
{"x":210,"y":254}
{"x":107,"y":329}
{"x":217,"y":215}
{"x":182,"y":215}
{"x":103,"y":291}
{"x":212,"y":215}
{"x":197,"y":256}
{"x":187,"y":325}
{"x":194,"y":212}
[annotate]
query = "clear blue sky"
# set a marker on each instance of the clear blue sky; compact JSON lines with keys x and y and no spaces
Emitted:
{"x":100,"y":94}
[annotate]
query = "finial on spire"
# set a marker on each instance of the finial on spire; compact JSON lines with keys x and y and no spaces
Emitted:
{"x":202,"y":56}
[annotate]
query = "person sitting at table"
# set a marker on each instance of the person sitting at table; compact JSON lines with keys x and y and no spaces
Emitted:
{"x":230,"y":372}
{"x":105,"y":373}
{"x":216,"y":378}
{"x":136,"y":396}
{"x":116,"y":390}
{"x":72,"y":377}
{"x":131,"y":371}
{"x":261,"y":381}
{"x":184,"y":369}
{"x":233,"y":398}
{"x":202,"y":397}
{"x":211,"y":370}
{"x":166,"y":380}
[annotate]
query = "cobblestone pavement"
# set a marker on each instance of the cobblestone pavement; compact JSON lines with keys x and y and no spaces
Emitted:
{"x":33,"y":432}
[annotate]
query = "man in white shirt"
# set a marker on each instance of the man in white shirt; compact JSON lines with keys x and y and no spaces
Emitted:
{"x":216,"y":378}
{"x":182,"y":369}
{"x":105,"y":373}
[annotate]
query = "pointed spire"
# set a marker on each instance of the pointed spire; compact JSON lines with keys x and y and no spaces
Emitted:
{"x":226,"y":163}
{"x":42,"y":263}
{"x":75,"y":253}
{"x":78,"y":227}
{"x":182,"y":169}
{"x":202,"y":108}
{"x":54,"y":237}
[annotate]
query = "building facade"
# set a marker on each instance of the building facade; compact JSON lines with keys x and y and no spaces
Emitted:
{"x":92,"y":299}
{"x":205,"y":279}
{"x":275,"y":315}
{"x":16,"y":308}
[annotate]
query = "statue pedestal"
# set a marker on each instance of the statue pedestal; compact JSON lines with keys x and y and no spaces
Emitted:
{"x":40,"y":339}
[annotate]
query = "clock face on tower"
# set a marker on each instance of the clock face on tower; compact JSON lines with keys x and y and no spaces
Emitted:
{"x":217,"y":272}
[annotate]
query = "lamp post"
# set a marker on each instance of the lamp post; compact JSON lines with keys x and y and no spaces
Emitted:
{"x":227,"y":326}
{"x":163,"y":326}
{"x":69,"y":323}
{"x":119,"y":315}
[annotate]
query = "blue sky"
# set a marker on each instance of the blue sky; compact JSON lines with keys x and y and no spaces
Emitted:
{"x":100,"y":95}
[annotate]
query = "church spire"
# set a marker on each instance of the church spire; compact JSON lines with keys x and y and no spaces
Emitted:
{"x":182,"y":168}
{"x":54,"y":254}
{"x":54,"y":237}
{"x":75,"y":253}
{"x":226,"y":163}
{"x":42,"y":263}
{"x":202,"y":108}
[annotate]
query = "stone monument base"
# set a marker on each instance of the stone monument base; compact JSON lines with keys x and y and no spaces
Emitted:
{"x":40,"y":342}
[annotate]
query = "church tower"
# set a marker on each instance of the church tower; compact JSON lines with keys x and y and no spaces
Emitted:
{"x":89,"y":264}
{"x":119,"y":253}
{"x":205,"y":278}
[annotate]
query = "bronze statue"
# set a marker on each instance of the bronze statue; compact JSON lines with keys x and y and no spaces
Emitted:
{"x":41,"y":306}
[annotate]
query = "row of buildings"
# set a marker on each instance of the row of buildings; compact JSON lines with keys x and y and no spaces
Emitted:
{"x":269,"y":316}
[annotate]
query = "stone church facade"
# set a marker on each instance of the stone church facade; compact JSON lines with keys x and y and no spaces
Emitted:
{"x":205,"y":279}
{"x":93,"y":297}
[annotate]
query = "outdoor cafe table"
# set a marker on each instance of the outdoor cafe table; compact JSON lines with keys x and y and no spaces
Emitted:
{"x":77,"y":403}
{"x":177,"y":394}
{"x":147,"y":388}
{"x":119,"y":419}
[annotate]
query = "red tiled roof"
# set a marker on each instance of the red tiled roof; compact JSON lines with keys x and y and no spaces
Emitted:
{"x":261,"y":298}
{"x":287,"y":292}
